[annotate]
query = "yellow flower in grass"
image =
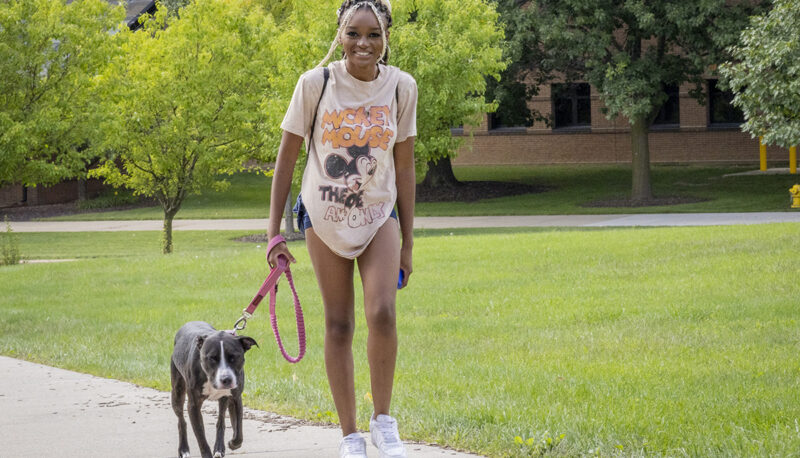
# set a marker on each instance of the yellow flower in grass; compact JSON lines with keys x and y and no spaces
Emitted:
{"x":368,"y":397}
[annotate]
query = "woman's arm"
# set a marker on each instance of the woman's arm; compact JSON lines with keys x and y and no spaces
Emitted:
{"x":406,"y":181}
{"x":281,"y":183}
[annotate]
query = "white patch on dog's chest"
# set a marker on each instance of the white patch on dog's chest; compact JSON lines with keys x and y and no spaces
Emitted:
{"x":213,"y":394}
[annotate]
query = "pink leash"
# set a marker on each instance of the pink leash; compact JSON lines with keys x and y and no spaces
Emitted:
{"x":271,"y":286}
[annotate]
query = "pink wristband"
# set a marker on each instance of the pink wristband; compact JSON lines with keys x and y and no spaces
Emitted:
{"x":274,"y":241}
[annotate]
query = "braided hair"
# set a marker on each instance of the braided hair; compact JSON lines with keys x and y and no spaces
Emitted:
{"x":382,"y":10}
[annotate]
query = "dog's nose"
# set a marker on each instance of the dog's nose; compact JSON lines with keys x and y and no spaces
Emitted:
{"x":226,"y":380}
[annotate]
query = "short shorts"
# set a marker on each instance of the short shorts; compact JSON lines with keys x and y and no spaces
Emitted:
{"x":304,"y":221}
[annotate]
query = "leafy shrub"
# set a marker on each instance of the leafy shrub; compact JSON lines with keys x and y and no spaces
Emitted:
{"x":109,"y":199}
{"x":10,"y":247}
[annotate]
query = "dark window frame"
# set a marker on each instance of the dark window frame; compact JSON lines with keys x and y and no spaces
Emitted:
{"x":496,"y":125}
{"x":718,"y":98}
{"x":669,"y":115}
{"x":571,"y":94}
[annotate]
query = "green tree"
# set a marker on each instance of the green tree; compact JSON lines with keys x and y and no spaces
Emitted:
{"x":450,"y":47}
{"x":520,"y":81}
{"x":304,"y":29}
{"x":173,"y":6}
{"x":765,"y":75}
{"x":185,"y":94}
{"x":630,"y":50}
{"x":50,"y":55}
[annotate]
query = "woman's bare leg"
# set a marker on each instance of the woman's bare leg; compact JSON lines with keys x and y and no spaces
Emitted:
{"x":379,"y":266}
{"x":335,"y":279}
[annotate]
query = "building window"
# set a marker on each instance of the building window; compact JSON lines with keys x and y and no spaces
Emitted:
{"x":512,"y":113}
{"x":720,"y":107}
{"x":669,"y":114}
{"x":572,"y":106}
{"x":498,"y":121}
{"x":495,"y":121}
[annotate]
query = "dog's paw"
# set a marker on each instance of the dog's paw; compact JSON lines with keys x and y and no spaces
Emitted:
{"x":234,"y":445}
{"x":219,"y":454}
{"x":184,"y":454}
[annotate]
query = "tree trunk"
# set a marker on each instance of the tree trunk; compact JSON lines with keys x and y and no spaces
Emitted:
{"x":166,"y":235}
{"x":288,"y":215}
{"x":640,"y":147}
{"x":440,"y":174}
{"x":81,"y":189}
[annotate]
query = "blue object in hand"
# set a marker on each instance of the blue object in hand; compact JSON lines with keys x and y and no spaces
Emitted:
{"x":400,"y":279}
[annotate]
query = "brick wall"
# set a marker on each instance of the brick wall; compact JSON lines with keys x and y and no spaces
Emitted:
{"x":10,"y":195}
{"x":57,"y":194}
{"x":608,"y":141}
{"x":63,"y":192}
{"x":680,"y":146}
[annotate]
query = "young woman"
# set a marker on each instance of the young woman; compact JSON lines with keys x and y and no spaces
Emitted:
{"x":358,"y":118}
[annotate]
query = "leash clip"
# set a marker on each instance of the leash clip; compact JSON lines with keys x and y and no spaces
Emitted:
{"x":241,"y":323}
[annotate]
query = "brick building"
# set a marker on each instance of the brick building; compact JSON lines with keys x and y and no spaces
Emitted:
{"x":684,"y":132}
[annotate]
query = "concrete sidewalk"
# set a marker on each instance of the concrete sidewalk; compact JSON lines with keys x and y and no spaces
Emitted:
{"x":50,"y":412}
{"x":662,"y":219}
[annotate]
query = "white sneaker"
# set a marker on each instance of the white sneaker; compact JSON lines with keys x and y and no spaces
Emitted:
{"x":383,"y":430}
{"x":353,"y":446}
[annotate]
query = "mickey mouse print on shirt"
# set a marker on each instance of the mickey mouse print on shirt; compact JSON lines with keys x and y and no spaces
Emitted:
{"x":357,"y":172}
{"x":353,"y":133}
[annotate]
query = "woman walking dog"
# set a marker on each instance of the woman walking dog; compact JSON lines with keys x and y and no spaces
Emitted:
{"x":358,"y":115}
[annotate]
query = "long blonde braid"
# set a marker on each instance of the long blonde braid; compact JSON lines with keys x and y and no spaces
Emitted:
{"x":344,"y":16}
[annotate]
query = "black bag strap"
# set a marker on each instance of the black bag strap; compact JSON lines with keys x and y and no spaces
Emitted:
{"x":326,"y":74}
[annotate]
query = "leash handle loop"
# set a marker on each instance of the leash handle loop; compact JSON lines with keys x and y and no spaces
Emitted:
{"x":270,"y":286}
{"x":298,"y":313}
{"x":273,"y":242}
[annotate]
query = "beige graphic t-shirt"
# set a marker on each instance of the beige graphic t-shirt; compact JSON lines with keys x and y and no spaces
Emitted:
{"x":349,"y":182}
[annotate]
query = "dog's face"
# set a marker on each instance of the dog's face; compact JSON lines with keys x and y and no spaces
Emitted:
{"x":222,"y":358}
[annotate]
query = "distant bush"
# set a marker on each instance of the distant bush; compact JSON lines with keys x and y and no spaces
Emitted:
{"x":109,"y":199}
{"x":10,"y":247}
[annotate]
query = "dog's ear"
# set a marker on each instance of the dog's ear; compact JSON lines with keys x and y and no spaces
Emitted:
{"x":199,"y":341}
{"x":247,"y":342}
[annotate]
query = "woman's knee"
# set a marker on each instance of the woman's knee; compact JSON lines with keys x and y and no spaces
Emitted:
{"x":339,"y":331}
{"x":381,"y":316}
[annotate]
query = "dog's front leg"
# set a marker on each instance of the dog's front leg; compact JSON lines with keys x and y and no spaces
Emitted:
{"x":178,"y":399}
{"x":219,"y":444}
{"x":196,"y":419}
{"x":235,"y":411}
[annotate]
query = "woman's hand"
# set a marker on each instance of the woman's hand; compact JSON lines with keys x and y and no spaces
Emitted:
{"x":405,"y":179}
{"x":405,"y":264}
{"x":279,"y":250}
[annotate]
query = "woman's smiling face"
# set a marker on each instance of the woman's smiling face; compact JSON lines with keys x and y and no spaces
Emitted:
{"x":362,"y":41}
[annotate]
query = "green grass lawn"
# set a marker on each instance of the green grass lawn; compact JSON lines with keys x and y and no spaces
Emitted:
{"x":572,"y":187}
{"x":247,"y":197}
{"x":610,"y":342}
{"x":569,"y":188}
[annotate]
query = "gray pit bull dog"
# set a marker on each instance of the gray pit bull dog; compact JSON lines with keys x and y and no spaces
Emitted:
{"x":208,"y":364}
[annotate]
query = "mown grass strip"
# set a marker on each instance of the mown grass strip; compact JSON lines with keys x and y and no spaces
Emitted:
{"x":662,"y":341}
{"x":569,"y":190}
